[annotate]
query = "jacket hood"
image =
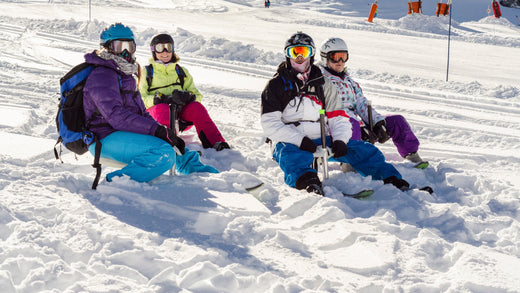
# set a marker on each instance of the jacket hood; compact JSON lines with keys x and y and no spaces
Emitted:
{"x":119,"y":64}
{"x":93,"y":58}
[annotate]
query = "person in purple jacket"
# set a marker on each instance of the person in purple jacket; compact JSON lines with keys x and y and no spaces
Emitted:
{"x":128,"y":134}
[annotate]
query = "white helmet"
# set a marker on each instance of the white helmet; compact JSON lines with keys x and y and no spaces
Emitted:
{"x":332,"y":45}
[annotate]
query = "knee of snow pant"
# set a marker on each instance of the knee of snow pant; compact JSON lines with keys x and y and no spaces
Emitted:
{"x":402,"y":135}
{"x":197,"y":114}
{"x":161,"y":113}
{"x":190,"y":163}
{"x":293,"y":162}
{"x":367,"y":160}
{"x":356,"y":129}
{"x":146,"y":156}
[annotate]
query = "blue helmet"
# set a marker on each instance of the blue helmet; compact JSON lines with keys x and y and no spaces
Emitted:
{"x":116,"y":31}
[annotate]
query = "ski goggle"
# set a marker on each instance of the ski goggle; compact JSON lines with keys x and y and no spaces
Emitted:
{"x":336,"y":57}
{"x":159,"y":48}
{"x":119,"y":46}
{"x":299,"y":50}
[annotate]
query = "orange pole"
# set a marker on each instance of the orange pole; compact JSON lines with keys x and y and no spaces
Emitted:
{"x":373,"y":11}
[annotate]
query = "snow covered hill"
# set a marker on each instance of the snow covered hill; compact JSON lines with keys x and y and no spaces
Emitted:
{"x":204,"y":232}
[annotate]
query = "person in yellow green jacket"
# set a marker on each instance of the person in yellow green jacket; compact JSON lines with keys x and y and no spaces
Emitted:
{"x":164,"y":82}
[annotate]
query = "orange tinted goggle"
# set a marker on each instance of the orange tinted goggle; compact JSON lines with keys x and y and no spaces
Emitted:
{"x":336,"y":57}
{"x":299,"y":50}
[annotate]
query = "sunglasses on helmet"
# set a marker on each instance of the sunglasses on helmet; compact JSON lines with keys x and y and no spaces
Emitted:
{"x":336,"y":57}
{"x":119,"y":46}
{"x":161,"y":47}
{"x":299,"y":50}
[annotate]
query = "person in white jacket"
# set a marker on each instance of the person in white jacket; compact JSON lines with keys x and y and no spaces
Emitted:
{"x":334,"y":55}
{"x":290,"y":118}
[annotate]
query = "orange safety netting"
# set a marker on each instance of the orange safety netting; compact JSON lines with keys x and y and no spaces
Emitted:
{"x":442,"y":9}
{"x":415,"y":7}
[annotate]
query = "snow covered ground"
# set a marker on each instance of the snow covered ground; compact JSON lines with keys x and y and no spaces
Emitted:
{"x":205,"y":233}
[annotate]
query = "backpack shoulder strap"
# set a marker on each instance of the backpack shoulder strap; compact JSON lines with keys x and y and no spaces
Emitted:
{"x":180,"y":73}
{"x":97,"y":165}
{"x":149,"y":75}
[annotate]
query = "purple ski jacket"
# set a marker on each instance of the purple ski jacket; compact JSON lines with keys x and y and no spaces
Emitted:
{"x":117,"y":101}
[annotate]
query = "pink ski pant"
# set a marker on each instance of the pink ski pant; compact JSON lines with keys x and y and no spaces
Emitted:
{"x":193,"y":112}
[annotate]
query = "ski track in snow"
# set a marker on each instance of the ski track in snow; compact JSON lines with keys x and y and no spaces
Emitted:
{"x":57,"y":234}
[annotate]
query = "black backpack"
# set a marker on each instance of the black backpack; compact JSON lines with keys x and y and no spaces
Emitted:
{"x":72,"y":125}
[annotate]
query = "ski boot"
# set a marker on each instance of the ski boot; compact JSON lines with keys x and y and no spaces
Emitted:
{"x":315,"y":188}
{"x":401,"y":184}
{"x":221,"y":145}
{"x":415,"y":158}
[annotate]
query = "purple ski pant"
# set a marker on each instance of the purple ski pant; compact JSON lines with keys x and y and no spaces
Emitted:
{"x":398,"y":129}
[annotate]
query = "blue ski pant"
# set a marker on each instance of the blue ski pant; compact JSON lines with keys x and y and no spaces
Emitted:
{"x":146,"y":156}
{"x":364,"y":157}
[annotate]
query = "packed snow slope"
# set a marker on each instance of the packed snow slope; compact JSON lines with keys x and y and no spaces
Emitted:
{"x":204,"y":232}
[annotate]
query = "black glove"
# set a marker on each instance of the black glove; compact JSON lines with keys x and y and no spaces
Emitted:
{"x":308,"y":145}
{"x":380,"y":131}
{"x":339,"y":148}
{"x":170,"y":137}
{"x":179,"y":98}
{"x":367,"y":135}
{"x":158,"y":99}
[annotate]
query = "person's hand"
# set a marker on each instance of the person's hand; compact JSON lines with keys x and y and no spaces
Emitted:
{"x":339,"y":148}
{"x":381,"y":132}
{"x":308,"y":145}
{"x":181,"y":98}
{"x":158,"y":99}
{"x":367,"y":135}
{"x":170,"y":137}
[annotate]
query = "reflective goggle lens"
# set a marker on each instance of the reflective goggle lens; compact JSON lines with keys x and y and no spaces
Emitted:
{"x":159,"y":48}
{"x":299,"y":50}
{"x":336,"y":57}
{"x":118,"y":46}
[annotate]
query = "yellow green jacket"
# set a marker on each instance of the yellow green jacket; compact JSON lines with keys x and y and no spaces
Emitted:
{"x":162,"y":76}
